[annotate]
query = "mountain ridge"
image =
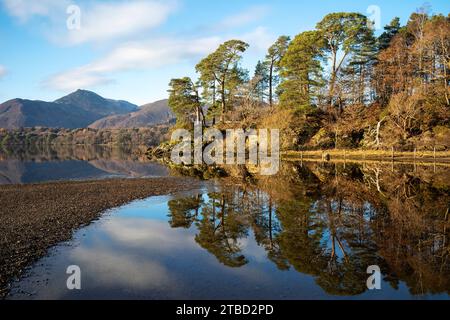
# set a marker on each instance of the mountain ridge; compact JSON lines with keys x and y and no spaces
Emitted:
{"x":81,"y":109}
{"x":150,"y":114}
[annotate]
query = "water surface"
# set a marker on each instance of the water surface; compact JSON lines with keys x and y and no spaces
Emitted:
{"x":51,"y":163}
{"x":308,"y":233}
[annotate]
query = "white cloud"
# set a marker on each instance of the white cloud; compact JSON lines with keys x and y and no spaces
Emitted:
{"x":148,"y":55}
{"x":108,"y":21}
{"x":132,"y":56}
{"x":246,"y":17}
{"x":129,"y":271}
{"x":155,"y":236}
{"x":99,"y":20}
{"x":260,"y":39}
{"x":26,"y":9}
{"x":3,"y":71}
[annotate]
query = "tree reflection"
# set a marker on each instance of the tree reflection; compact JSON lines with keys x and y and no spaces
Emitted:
{"x":220,"y":230}
{"x":332,"y":222}
{"x":183,"y":212}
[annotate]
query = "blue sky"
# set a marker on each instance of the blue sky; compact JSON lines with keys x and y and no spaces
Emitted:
{"x":131,"y":49}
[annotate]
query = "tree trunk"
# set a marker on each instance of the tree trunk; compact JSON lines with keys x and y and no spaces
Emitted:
{"x":271,"y":85}
{"x":333,"y":79}
{"x":222,"y":93}
{"x":377,"y":137}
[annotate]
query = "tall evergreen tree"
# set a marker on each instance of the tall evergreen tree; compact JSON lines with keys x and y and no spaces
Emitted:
{"x":389,"y":32}
{"x":275,"y":53}
{"x":344,"y":33}
{"x":301,"y":71}
{"x":261,"y":81}
{"x":184,"y":100}
{"x":222,"y":68}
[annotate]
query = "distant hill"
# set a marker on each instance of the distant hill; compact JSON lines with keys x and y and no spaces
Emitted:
{"x":148,"y":115}
{"x":77,"y":110}
{"x":94,"y":103}
{"x":18,"y":113}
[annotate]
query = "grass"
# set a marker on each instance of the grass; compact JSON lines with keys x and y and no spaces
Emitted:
{"x":368,"y":154}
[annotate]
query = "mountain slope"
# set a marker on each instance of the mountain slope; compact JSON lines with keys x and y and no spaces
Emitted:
{"x":76,"y":110}
{"x":148,"y":115}
{"x":19,"y":113}
{"x":94,"y":103}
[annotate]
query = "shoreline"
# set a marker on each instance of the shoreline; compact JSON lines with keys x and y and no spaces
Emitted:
{"x":441,"y":157}
{"x":35,"y":217}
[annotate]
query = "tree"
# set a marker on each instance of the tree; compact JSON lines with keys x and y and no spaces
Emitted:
{"x":403,"y":110}
{"x":222,"y":68}
{"x":275,"y":53}
{"x":184,"y":100}
{"x":436,"y":47}
{"x":344,"y":33}
{"x":389,"y":32}
{"x":357,"y":74}
{"x":261,"y":81}
{"x":301,"y":71}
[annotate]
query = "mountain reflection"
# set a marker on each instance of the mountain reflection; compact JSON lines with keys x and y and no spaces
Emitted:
{"x":332,"y":221}
{"x":41,"y":163}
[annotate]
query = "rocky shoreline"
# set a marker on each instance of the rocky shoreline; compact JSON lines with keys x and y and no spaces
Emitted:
{"x":34,"y":217}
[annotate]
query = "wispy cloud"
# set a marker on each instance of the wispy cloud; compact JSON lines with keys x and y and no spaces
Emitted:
{"x":26,"y":9}
{"x":109,"y":21}
{"x":152,"y":54}
{"x":248,"y":16}
{"x":260,"y":39}
{"x":121,"y":26}
{"x":99,"y":20}
{"x":3,"y":71}
{"x":132,"y":56}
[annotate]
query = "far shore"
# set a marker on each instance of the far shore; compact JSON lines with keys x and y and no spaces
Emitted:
{"x":35,"y":217}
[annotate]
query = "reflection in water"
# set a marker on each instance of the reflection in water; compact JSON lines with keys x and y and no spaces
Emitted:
{"x":48,"y":163}
{"x":310,"y":232}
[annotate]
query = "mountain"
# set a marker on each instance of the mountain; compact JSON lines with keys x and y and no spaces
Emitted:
{"x":148,"y":115}
{"x":77,"y":110}
{"x":94,"y":103}
{"x":19,"y":113}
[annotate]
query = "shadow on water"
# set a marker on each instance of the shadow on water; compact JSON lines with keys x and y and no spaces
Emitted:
{"x":310,"y":232}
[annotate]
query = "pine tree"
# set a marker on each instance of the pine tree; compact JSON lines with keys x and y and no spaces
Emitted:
{"x":275,"y":54}
{"x":222,"y":68}
{"x":261,"y":81}
{"x":301,"y":72}
{"x":389,"y":32}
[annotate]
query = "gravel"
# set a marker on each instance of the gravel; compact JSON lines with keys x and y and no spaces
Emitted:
{"x":34,"y":217}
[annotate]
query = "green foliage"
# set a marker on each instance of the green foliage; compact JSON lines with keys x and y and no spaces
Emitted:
{"x":184,"y":100}
{"x":389,"y":32}
{"x":220,"y":73}
{"x":302,"y":72}
{"x":335,"y":86}
{"x":261,"y":79}
{"x":273,"y":59}
{"x":343,"y":33}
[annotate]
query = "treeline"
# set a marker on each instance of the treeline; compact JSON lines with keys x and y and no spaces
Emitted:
{"x":338,"y":86}
{"x":49,"y":136}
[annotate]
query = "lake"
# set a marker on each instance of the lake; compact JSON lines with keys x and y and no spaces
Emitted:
{"x":310,"y":232}
{"x":45,"y":163}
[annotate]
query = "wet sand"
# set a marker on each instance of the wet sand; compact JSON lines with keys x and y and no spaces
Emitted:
{"x":35,"y":217}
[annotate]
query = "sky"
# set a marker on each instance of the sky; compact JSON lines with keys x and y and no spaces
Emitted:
{"x":131,"y":49}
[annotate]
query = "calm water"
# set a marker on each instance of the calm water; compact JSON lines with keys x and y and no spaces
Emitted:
{"x":308,"y":233}
{"x":73,"y":163}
